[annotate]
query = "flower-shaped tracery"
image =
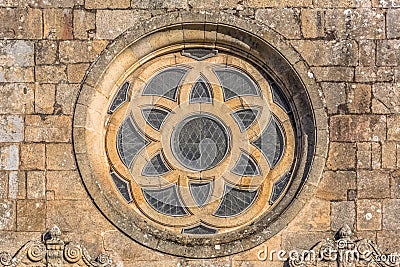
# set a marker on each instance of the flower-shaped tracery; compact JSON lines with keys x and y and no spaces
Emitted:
{"x":200,"y":146}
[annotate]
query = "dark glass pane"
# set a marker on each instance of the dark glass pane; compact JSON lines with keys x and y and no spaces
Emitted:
{"x":129,"y":142}
{"x":119,"y":98}
{"x":156,"y":166}
{"x":246,"y":166}
{"x":201,"y":192}
{"x":245,"y":117}
{"x":278,"y":187}
{"x":122,"y":186}
{"x":236,"y":83}
{"x":200,"y":92}
{"x":199,"y":230}
{"x":235,"y":201}
{"x":271,"y":143}
{"x":165,"y":83}
{"x":154,"y":117}
{"x":165,"y":201}
{"x":200,"y":142}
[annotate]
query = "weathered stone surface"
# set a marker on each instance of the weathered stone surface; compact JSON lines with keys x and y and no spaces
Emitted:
{"x":16,"y":53}
{"x":54,"y":3}
{"x":111,"y":23}
{"x":391,"y":211}
{"x":342,"y":213}
{"x":9,"y":157}
{"x":129,"y":251}
{"x":367,"y":51}
{"x":389,"y":241}
{"x":16,"y":185}
{"x":393,"y":23}
{"x":31,"y":215}
{"x":16,"y":74}
{"x":80,"y":51}
{"x":389,"y":155}
{"x":51,"y":73}
{"x":32,"y":156}
{"x":342,"y":156}
{"x":47,"y":128}
{"x":66,"y":185}
{"x":28,"y":24}
{"x":335,"y":96}
{"x":7,"y":215}
{"x":342,"y":3}
{"x":20,"y":98}
{"x":65,"y":98}
{"x":44,"y":98}
{"x":373,"y":184}
{"x":328,"y":53}
{"x":388,"y":53}
{"x":359,"y":98}
{"x":102,"y":4}
{"x":358,"y":128}
{"x":286,"y":21}
{"x":76,"y":72}
{"x":333,"y":74}
{"x":57,"y":24}
{"x":302,"y":240}
{"x":277,"y":3}
{"x":343,"y":181}
{"x":36,"y":185}
{"x":372,"y":74}
{"x":393,"y":132}
{"x":312,"y":23}
{"x":46,"y":52}
{"x":362,"y":23}
{"x":364,"y":156}
{"x":313,"y":217}
{"x":3,"y":185}
{"x":59,"y":157}
{"x":84,"y":24}
{"x":388,"y":94}
{"x":76,"y":215}
{"x":369,"y":215}
{"x":11,"y":128}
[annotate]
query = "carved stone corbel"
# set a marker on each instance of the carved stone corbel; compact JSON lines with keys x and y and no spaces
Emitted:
{"x":53,"y":251}
{"x":344,"y":251}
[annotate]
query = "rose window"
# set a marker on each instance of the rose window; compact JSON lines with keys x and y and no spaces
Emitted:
{"x":200,"y":142}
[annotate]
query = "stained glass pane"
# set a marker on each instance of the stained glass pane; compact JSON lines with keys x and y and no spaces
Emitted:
{"x":156,"y":166}
{"x":235,"y":201}
{"x":200,"y":142}
{"x":246,"y":166}
{"x":245,"y":117}
{"x":119,"y":98}
{"x":200,"y":92}
{"x":278,"y":187}
{"x":165,"y":201}
{"x":271,"y":143}
{"x":201,"y":192}
{"x":235,"y":83}
{"x":154,"y":117}
{"x":165,"y":83}
{"x":129,"y":142}
{"x":122,"y":186}
{"x":199,"y":230}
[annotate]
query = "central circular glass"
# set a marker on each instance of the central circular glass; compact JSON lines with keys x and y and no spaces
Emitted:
{"x":200,"y":142}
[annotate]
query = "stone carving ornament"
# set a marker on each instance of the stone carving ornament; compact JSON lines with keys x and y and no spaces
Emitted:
{"x":53,"y":251}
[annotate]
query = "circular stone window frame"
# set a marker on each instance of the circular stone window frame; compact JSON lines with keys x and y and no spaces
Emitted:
{"x":176,"y":31}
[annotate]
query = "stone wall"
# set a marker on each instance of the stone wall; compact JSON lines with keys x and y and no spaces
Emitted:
{"x":46,"y":46}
